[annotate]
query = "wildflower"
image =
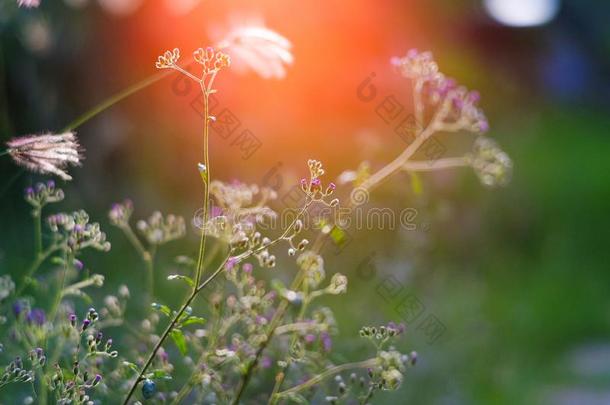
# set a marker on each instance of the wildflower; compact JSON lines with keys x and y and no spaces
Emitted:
{"x":257,"y":48}
{"x":168,"y":59}
{"x":47,"y":154}
{"x":313,"y":266}
{"x":464,"y":112}
{"x":159,"y":229}
{"x":416,"y":65}
{"x":338,"y":284}
{"x":43,"y":194}
{"x":491,"y":164}
{"x":78,"y":232}
{"x":327,"y":341}
{"x":36,"y":316}
{"x":120,"y":213}
{"x":391,"y":379}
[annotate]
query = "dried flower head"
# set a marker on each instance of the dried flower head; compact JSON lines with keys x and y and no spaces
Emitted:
{"x":28,"y":3}
{"x":492,"y":165}
{"x":168,"y":59}
{"x":47,"y":154}
{"x":257,"y":48}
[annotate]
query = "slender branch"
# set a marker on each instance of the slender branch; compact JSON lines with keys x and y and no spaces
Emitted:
{"x":35,"y":266}
{"x":206,"y":197}
{"x":417,"y":103}
{"x":37,"y":231}
{"x":112,"y":100}
{"x":325,"y":374}
{"x":396,"y":165}
{"x":429,"y":165}
{"x":57,"y":301}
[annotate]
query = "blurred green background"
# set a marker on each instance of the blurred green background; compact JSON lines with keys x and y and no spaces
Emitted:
{"x":517,"y":276}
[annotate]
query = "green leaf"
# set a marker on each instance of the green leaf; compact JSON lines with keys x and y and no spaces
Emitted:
{"x":338,"y":236}
{"x":159,"y":374}
{"x":416,"y":184}
{"x":131,"y":366}
{"x":179,"y":340}
{"x":164,"y":309}
{"x":188,"y":280}
{"x":192,"y":320}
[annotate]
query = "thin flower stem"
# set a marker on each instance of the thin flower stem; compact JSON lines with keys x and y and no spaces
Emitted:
{"x":325,"y":374}
{"x":206,"y":198}
{"x":418,"y":105}
{"x":429,"y":165}
{"x":37,"y":231}
{"x":62,"y":284}
{"x":396,"y":165}
{"x":186,"y":72}
{"x":6,"y":152}
{"x":147,"y":256}
{"x":368,"y":396}
{"x":281,"y":376}
{"x":112,"y":100}
{"x":135,"y":241}
{"x":35,"y":266}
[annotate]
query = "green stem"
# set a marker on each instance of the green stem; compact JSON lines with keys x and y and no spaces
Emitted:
{"x":112,"y":100}
{"x":207,"y":177}
{"x":150,"y":266}
{"x":147,"y":256}
{"x":57,"y":301}
{"x":35,"y":266}
{"x":325,"y":374}
{"x":37,"y":231}
{"x":6,"y":152}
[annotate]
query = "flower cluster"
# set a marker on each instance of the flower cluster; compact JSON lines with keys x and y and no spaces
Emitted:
{"x":18,"y":372}
{"x":159,"y":229}
{"x":120,"y":213}
{"x":47,"y":154}
{"x":313,"y":187}
{"x":168,"y":59}
{"x":416,"y":65}
{"x":457,"y":107}
{"x":43,"y":194}
{"x":491,"y":164}
{"x":211,"y":59}
{"x":77,"y":232}
{"x":73,"y":383}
